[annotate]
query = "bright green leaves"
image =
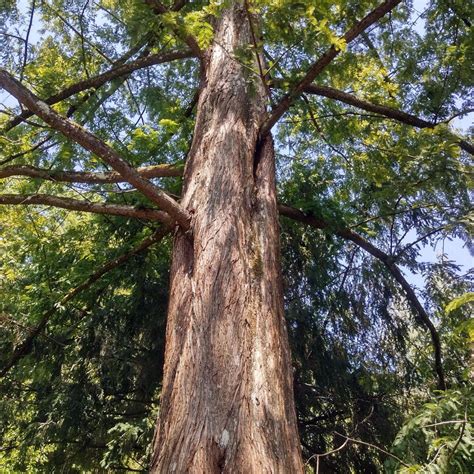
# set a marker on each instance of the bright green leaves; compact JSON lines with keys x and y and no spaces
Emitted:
{"x":198,"y":26}
{"x":194,"y":23}
{"x":460,"y":301}
{"x":169,"y":125}
{"x":132,"y":18}
{"x":365,"y":77}
{"x":322,"y":27}
{"x":464,"y":330}
{"x":51,"y":70}
{"x":91,"y":384}
{"x":439,"y":438}
{"x":143,"y":143}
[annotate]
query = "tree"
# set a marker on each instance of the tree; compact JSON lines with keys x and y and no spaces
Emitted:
{"x":241,"y":69}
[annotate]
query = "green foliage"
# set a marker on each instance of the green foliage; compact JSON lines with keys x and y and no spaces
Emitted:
{"x":197,"y":26}
{"x":439,"y":437}
{"x":86,"y":397}
{"x":96,"y":371}
{"x":460,"y":301}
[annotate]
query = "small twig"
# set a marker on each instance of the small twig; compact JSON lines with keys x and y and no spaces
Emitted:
{"x":358,"y":441}
{"x":320,"y":131}
{"x":317,"y":456}
{"x":25,"y":54}
{"x":27,"y":329}
{"x":30,"y":150}
{"x":255,"y":45}
{"x":81,"y":36}
{"x":459,"y":114}
{"x":461,"y":434}
{"x":444,"y":423}
{"x":9,"y":35}
{"x":423,"y":237}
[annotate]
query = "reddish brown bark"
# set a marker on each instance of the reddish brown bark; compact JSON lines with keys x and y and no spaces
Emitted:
{"x":227,"y":401}
{"x":91,"y":177}
{"x":86,"y":206}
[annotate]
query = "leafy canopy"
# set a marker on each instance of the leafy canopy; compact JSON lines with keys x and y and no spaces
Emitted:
{"x":86,"y":393}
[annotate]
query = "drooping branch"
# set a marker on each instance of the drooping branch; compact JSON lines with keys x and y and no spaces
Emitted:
{"x":156,"y":171}
{"x":101,"y":79}
{"x":85,"y":206}
{"x":383,"y":110}
{"x":393,"y":269}
{"x":285,"y":103}
{"x":26,"y":346}
{"x":93,"y":144}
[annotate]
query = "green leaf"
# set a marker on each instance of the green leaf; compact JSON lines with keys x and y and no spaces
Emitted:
{"x":456,"y":303}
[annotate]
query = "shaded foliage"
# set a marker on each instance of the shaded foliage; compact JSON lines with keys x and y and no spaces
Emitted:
{"x":86,"y":397}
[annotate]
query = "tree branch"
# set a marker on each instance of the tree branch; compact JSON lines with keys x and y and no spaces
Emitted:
{"x":25,"y":347}
{"x":28,"y":31}
{"x":387,"y":260}
{"x":158,"y":8}
{"x":101,"y":79}
{"x":178,"y":4}
{"x":317,"y":67}
{"x":383,"y":110}
{"x":85,"y":206}
{"x":156,"y":171}
{"x":93,"y":144}
{"x":370,"y":445}
{"x":417,"y":241}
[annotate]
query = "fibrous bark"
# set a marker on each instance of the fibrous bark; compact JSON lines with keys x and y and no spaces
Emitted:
{"x":89,"y":177}
{"x":227,"y":401}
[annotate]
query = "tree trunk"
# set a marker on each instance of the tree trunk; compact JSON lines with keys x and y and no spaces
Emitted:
{"x":227,"y":399}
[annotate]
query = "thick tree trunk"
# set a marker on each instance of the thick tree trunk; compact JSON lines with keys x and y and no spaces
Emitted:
{"x":227,"y":399}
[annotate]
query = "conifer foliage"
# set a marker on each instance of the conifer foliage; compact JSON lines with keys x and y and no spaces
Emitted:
{"x":224,"y":236}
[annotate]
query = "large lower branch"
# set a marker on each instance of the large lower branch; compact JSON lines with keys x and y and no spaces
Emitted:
{"x":85,"y":206}
{"x":413,"y":300}
{"x":107,"y":76}
{"x":89,"y":177}
{"x":317,"y":67}
{"x":383,"y":110}
{"x":25,"y":347}
{"x":95,"y":145}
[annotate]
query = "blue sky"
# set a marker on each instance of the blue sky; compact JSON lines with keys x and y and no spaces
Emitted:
{"x":452,"y":248}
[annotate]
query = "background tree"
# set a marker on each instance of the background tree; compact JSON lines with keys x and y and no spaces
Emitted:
{"x":360,"y":97}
